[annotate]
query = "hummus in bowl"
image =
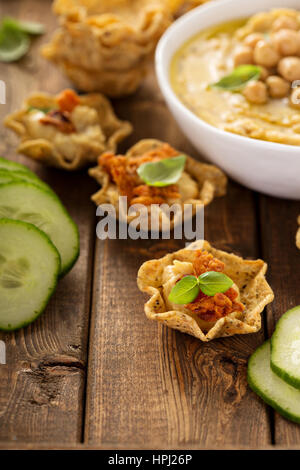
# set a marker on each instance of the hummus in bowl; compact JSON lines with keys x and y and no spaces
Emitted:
{"x":263,"y":108}
{"x":252,"y":132}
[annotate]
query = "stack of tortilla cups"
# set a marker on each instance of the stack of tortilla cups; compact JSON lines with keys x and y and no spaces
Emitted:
{"x":106,"y":47}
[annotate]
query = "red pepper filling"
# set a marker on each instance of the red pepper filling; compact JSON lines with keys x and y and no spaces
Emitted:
{"x":123,"y":172}
{"x":59,"y":119}
{"x":208,"y":308}
{"x":67,"y":100}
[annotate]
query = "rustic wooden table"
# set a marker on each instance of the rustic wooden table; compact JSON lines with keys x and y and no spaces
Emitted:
{"x":93,"y":371}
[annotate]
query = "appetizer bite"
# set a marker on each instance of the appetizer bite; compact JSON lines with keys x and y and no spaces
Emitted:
{"x":152,"y":172}
{"x":107,"y":46}
{"x":242,"y":76}
{"x":205,"y":292}
{"x":298,"y":234}
{"x":67,"y":131}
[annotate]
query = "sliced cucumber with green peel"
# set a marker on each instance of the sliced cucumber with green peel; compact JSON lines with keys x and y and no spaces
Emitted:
{"x":19,"y":172}
{"x":24,"y":174}
{"x":29,"y":269}
{"x":29,"y":27}
{"x":7,"y":176}
{"x":27,"y":202}
{"x":14,"y":166}
{"x":285,"y":347}
{"x":273,"y":390}
{"x":14,"y":43}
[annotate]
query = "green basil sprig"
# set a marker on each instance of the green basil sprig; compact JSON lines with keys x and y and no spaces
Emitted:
{"x":162,"y":173}
{"x":239,"y":78}
{"x":185,"y":291}
{"x":210,"y":283}
{"x":44,"y":110}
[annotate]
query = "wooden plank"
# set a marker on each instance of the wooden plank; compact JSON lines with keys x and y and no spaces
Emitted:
{"x":42,"y":385}
{"x":279,"y":225}
{"x":130,"y":446}
{"x":151,"y":385}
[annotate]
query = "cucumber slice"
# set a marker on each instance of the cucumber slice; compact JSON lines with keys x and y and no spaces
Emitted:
{"x":285,"y":347}
{"x":14,"y":43}
{"x":10,"y":165}
{"x":30,"y":203}
{"x":10,"y":176}
{"x":5,"y":177}
{"x":20,"y":171}
{"x":30,"y":27}
{"x":281,"y":396}
{"x":29,"y":268}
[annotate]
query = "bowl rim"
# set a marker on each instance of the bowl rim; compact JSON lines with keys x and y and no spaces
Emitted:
{"x":162,"y":74}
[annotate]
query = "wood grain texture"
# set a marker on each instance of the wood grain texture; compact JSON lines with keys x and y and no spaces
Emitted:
{"x":149,"y":384}
{"x":279,"y":225}
{"x":131,"y":446}
{"x":42,"y":385}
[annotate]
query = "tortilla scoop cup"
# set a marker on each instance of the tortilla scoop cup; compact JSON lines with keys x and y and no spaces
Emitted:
{"x":107,"y":46}
{"x":249,"y":277}
{"x":211,"y":182}
{"x":111,"y":132}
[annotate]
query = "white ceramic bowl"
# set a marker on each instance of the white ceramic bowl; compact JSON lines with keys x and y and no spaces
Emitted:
{"x":267,"y":167}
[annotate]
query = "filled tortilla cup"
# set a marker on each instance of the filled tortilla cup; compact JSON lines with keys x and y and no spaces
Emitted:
{"x":69,"y":138}
{"x":157,"y":277}
{"x":198,"y":185}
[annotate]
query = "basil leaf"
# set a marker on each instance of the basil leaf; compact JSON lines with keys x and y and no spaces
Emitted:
{"x":239,"y":78}
{"x":14,"y":44}
{"x":36,"y":108}
{"x":163,"y":172}
{"x":185,"y":291}
{"x":213,"y":282}
{"x":29,"y":27}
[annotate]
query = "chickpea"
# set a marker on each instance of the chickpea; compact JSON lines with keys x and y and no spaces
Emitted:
{"x":289,"y":68}
{"x":244,"y":55}
{"x":256,"y":92}
{"x":285,"y":22}
{"x":287,"y":42}
{"x":277,"y":86}
{"x":295,"y":98}
{"x":253,"y":39}
{"x":265,"y":54}
{"x":264,"y":73}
